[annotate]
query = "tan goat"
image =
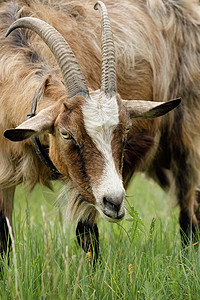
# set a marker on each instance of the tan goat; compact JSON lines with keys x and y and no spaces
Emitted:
{"x":84,"y":129}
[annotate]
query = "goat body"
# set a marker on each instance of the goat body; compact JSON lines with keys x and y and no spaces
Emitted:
{"x":157,"y":58}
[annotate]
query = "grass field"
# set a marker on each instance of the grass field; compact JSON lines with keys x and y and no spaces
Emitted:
{"x":141,"y":257}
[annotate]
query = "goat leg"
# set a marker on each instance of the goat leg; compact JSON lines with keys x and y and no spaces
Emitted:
{"x":6,"y":207}
{"x":5,"y":241}
{"x":88,"y":238}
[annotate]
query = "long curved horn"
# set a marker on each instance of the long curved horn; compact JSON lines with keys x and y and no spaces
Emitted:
{"x":72,"y":75}
{"x":108,"y":81}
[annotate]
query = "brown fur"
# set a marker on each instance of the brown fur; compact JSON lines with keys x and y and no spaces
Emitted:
{"x":77,"y":159}
{"x":157,"y":57}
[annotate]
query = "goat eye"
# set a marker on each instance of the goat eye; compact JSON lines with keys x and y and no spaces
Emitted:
{"x":66,"y":135}
{"x":127,"y":130}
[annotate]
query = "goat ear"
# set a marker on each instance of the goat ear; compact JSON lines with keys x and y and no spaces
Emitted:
{"x":139,"y":109}
{"x":42,"y":122}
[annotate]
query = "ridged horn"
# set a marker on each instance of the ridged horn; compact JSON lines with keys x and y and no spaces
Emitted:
{"x":72,"y":75}
{"x":108,"y":81}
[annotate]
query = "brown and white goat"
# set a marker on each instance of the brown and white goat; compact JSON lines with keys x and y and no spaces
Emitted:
{"x":84,"y":129}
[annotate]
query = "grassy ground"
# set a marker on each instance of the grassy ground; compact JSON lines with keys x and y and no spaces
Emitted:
{"x":141,"y":258}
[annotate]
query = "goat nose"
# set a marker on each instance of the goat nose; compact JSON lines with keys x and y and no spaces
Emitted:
{"x":113,"y":203}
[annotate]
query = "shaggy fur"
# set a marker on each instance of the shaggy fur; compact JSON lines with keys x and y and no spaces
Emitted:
{"x":157,"y":58}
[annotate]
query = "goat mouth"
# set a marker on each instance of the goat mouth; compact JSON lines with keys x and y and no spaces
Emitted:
{"x":113,"y":216}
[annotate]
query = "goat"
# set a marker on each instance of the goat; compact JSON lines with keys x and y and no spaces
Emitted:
{"x":95,"y":139}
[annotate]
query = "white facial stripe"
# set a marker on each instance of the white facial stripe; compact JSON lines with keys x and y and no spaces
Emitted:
{"x":101,"y":116}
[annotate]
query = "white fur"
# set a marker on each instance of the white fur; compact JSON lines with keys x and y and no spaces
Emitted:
{"x":101,"y":116}
{"x":77,"y":209}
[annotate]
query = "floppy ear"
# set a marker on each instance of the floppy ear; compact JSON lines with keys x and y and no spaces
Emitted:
{"x":42,"y":122}
{"x":149,"y":109}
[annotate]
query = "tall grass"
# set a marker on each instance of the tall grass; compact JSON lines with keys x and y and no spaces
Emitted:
{"x":141,"y":257}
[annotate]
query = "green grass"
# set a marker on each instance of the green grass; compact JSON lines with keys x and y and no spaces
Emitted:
{"x":141,"y":257}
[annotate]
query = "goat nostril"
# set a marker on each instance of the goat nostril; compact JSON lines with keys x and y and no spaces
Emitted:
{"x":105,"y":201}
{"x":110,"y":205}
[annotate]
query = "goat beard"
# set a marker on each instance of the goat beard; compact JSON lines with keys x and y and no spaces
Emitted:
{"x":77,"y":208}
